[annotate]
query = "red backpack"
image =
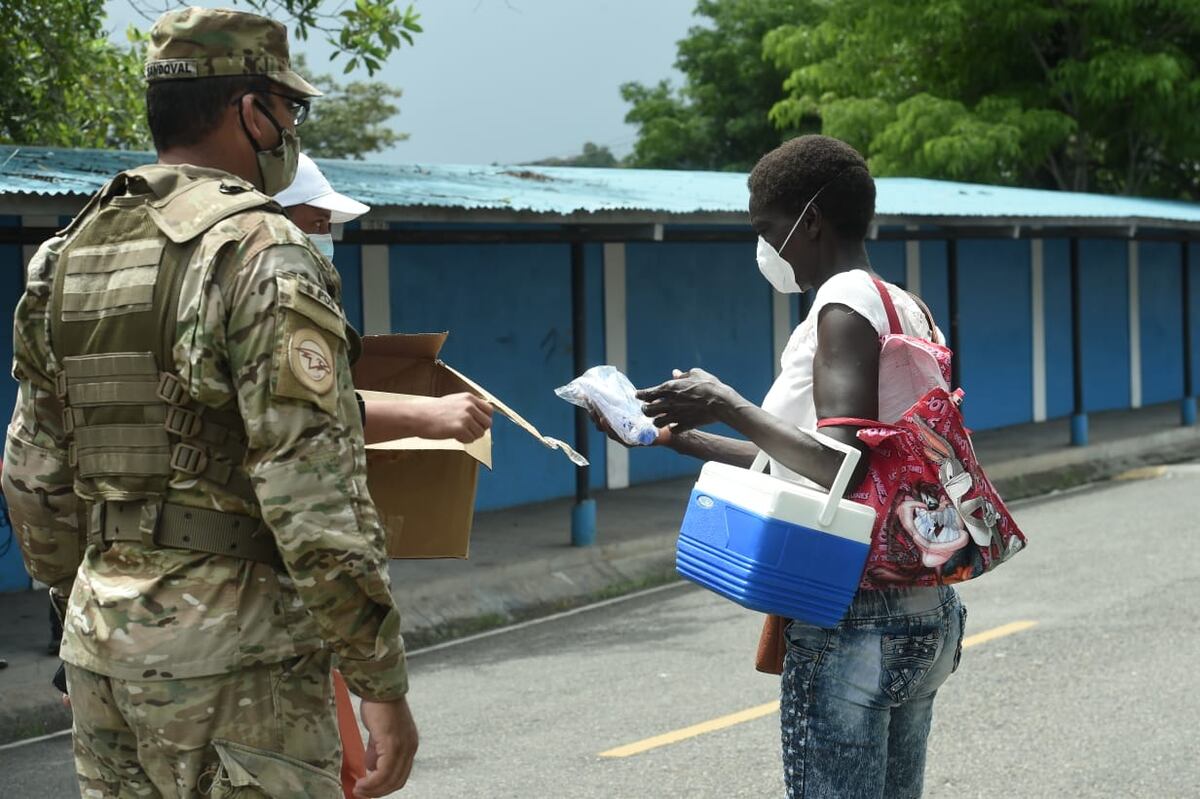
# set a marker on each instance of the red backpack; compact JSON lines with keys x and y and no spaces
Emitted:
{"x":938,"y":520}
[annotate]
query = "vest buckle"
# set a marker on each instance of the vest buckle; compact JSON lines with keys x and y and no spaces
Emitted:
{"x":188,"y":459}
{"x":171,"y":389}
{"x":182,"y":422}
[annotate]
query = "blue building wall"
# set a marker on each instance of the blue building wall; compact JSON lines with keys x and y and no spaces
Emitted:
{"x":1194,"y":327}
{"x":506,"y":305}
{"x":1161,"y":321}
{"x":887,"y":258}
{"x":1056,"y":284}
{"x":348,"y":260}
{"x":934,"y":287}
{"x":1104,"y":301}
{"x":996,"y":351}
{"x":695,"y":305}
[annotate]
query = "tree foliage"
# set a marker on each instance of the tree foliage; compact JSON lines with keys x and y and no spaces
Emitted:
{"x":1075,"y":94}
{"x":65,"y":83}
{"x":1088,"y":95}
{"x":349,"y":120}
{"x":718,"y":119}
{"x":594,"y":155}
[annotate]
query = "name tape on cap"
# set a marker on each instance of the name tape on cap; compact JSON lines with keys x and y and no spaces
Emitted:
{"x":178,"y":68}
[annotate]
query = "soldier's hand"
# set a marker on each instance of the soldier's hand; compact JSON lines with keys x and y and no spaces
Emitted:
{"x":391,"y":746}
{"x":463,"y":417}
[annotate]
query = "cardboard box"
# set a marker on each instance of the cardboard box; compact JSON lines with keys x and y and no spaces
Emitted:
{"x":425,"y":489}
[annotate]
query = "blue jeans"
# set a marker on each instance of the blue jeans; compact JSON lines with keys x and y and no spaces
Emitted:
{"x":857,"y":700}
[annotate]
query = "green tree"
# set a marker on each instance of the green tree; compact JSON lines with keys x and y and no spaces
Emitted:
{"x":718,"y":119}
{"x":65,"y":83}
{"x":594,"y":155}
{"x":349,"y":120}
{"x":1099,"y":95}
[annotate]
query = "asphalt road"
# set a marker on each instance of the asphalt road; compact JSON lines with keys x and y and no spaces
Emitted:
{"x":1093,"y":696}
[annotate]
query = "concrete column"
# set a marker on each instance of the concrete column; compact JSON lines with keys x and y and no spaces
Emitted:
{"x":615,"y":350}
{"x":1135,"y":330}
{"x":376,"y":289}
{"x":912,"y":263}
{"x":1037,"y":283}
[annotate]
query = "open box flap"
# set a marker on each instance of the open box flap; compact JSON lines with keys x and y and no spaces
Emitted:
{"x":404,"y":345}
{"x":517,"y":419}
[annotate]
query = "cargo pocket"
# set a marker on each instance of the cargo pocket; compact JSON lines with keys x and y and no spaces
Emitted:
{"x":906,"y":661}
{"x":246,"y":771}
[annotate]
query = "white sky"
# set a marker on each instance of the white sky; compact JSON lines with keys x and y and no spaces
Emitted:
{"x":511,"y":80}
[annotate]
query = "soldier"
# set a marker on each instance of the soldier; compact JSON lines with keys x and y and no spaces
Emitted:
{"x":185,"y":465}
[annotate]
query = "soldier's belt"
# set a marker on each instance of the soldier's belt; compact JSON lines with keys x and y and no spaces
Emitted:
{"x":182,"y":527}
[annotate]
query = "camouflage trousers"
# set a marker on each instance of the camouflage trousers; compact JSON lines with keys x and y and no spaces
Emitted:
{"x":268,"y":731}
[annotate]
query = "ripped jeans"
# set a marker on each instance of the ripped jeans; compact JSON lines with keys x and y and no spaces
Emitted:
{"x":857,"y":700}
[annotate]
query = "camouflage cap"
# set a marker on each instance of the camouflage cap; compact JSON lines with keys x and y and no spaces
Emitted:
{"x":207,"y":42}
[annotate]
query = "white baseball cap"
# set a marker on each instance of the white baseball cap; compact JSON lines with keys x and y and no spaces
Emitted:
{"x":312,"y":188}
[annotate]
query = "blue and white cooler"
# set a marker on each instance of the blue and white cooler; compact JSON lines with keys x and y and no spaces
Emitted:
{"x":773,"y":545}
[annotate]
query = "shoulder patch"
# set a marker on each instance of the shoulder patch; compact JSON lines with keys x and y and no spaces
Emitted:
{"x":311,"y":360}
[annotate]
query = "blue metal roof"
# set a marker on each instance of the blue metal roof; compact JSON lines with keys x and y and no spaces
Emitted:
{"x":562,"y":191}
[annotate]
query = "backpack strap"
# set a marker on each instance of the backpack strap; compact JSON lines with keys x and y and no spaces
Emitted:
{"x":849,"y":421}
{"x":888,"y":306}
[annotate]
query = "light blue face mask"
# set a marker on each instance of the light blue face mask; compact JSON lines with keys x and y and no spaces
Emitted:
{"x":324,"y":244}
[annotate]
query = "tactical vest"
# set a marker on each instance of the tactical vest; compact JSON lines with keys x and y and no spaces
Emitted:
{"x":130,"y":422}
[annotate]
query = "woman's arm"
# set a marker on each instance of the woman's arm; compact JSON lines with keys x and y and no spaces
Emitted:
{"x":712,"y":447}
{"x":845,"y":384}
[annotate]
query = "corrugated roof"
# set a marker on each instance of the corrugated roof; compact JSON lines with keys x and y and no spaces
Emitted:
{"x":563,"y":191}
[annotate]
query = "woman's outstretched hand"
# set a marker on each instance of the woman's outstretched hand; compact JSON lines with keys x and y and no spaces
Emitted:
{"x":663,"y":440}
{"x":692,"y":399}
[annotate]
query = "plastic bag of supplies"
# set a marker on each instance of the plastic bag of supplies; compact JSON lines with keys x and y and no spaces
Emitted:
{"x":605,"y":391}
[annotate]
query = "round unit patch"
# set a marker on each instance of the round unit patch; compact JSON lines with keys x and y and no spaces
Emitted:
{"x":311,"y":360}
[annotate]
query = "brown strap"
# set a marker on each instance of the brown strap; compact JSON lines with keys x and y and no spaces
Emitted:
{"x":196,"y":529}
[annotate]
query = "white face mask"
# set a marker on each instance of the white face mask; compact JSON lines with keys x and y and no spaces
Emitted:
{"x":774,"y":267}
{"x":324,"y":243}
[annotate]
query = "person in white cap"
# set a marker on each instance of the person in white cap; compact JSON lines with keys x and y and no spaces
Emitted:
{"x":313,"y":205}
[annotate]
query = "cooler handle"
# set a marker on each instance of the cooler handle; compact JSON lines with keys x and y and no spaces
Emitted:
{"x":840,"y":481}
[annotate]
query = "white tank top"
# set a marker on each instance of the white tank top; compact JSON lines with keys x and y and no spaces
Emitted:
{"x":791,"y":395}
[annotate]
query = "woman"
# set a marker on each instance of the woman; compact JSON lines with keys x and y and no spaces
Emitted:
{"x":856,"y":700}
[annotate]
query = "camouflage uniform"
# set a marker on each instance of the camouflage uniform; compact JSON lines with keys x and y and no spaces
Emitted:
{"x":194,"y":672}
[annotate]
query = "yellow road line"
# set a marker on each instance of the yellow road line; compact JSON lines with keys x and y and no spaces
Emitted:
{"x":757,"y":712}
{"x":693,"y":731}
{"x":997,"y":632}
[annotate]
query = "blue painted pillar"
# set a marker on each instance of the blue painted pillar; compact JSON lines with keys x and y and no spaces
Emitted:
{"x":583,"y":515}
{"x":1079,"y":420}
{"x":1187,"y":411}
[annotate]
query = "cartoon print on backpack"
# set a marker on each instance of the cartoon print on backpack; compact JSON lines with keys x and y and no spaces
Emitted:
{"x":940,"y":522}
